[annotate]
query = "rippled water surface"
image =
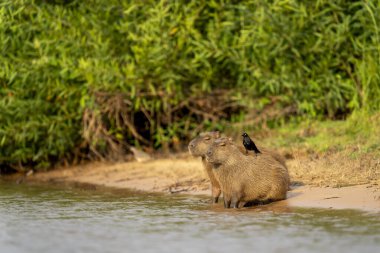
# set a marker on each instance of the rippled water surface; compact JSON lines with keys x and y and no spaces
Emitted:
{"x":51,"y":219}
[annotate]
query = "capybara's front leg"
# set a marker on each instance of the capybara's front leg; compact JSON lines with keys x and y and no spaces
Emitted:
{"x":227,"y":201}
{"x":216,"y":191}
{"x":236,"y":202}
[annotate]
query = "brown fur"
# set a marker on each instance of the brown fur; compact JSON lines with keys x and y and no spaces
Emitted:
{"x":198,"y":147}
{"x":246,"y":178}
{"x":266,"y":151}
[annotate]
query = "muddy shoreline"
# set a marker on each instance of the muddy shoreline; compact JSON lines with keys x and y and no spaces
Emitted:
{"x":186,"y":176}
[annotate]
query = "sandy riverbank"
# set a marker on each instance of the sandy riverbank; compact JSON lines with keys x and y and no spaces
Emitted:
{"x":186,"y":175}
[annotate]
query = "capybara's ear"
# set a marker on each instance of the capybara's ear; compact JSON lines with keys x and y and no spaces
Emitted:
{"x":217,"y":134}
{"x":222,"y":143}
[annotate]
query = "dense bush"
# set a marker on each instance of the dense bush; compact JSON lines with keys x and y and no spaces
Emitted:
{"x":88,"y":78}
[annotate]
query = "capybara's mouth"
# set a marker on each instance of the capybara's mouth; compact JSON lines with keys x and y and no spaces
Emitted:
{"x":191,"y":151}
{"x":194,"y":152}
{"x":214,"y":163}
{"x":210,"y":160}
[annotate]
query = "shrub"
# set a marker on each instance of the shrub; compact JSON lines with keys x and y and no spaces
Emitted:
{"x":85,"y":79}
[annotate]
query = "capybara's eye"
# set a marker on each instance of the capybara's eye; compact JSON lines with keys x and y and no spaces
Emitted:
{"x":207,"y":138}
{"x":222,"y":144}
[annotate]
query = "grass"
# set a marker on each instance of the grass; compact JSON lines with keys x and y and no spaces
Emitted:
{"x":358,"y":133}
{"x":331,"y":153}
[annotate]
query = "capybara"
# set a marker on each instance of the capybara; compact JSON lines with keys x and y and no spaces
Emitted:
{"x":245,"y":178}
{"x":199,"y":147}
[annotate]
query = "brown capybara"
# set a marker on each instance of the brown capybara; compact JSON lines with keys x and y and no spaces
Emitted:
{"x":199,"y":147}
{"x":245,"y":178}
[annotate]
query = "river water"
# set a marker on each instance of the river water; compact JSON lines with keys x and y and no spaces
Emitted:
{"x":56,"y":219}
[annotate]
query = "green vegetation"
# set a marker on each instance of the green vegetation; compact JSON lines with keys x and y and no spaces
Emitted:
{"x":86,"y":79}
{"x":357,"y":135}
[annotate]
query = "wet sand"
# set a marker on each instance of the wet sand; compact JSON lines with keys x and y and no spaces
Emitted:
{"x":186,"y":175}
{"x":363,"y":197}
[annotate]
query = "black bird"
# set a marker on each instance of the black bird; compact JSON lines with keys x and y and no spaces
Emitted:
{"x":249,"y":144}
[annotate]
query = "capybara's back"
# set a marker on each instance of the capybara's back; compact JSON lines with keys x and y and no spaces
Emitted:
{"x":247,"y":178}
{"x":265,"y":151}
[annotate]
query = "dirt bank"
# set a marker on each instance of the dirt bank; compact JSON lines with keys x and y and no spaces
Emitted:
{"x":186,"y":175}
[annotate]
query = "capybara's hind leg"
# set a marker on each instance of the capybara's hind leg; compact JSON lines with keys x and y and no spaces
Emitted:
{"x":242,"y":204}
{"x":216,"y":191}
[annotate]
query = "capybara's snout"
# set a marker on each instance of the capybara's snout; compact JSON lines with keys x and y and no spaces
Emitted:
{"x":191,"y":147}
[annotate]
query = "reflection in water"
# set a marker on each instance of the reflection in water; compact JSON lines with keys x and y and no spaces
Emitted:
{"x":50,"y":219}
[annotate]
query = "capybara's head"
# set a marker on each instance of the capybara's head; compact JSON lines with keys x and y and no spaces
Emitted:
{"x":199,"y":145}
{"x":220,"y":150}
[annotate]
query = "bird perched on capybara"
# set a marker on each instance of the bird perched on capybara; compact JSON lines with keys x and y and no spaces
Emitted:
{"x":249,"y":144}
{"x":245,"y":178}
{"x":199,"y":147}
